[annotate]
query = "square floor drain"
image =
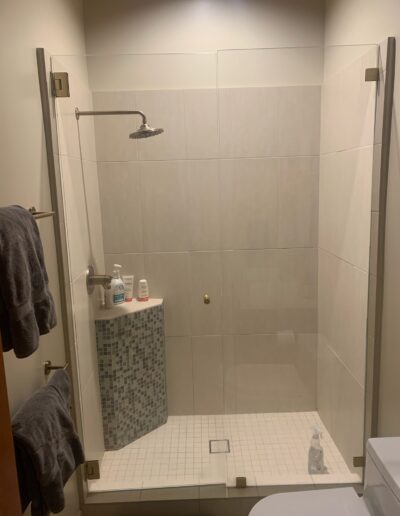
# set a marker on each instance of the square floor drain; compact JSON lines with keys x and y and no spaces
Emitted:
{"x":219,"y":446}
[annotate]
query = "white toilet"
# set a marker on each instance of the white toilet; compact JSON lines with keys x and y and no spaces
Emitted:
{"x":381,"y":490}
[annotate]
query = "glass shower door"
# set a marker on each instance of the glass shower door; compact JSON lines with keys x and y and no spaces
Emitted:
{"x":296,"y":163}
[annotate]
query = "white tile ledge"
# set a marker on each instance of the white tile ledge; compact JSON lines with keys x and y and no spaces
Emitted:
{"x":131,"y":307}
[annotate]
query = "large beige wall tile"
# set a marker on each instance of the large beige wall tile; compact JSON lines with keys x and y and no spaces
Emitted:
{"x":274,"y":121}
{"x":348,"y":107}
{"x":208,"y":374}
{"x":246,"y":117}
{"x":345,"y":204}
{"x":164,"y":206}
{"x":120,"y":197}
{"x":298,"y":121}
{"x":112,"y":132}
{"x":340,"y":404}
{"x":229,"y":367}
{"x":169,"y":277}
{"x":326,"y":384}
{"x":251,"y":290}
{"x":298,"y":202}
{"x":275,"y":373}
{"x":269,"y":290}
{"x":201,"y":123}
{"x":298,"y":290}
{"x":252,"y":67}
{"x":163,"y":109}
{"x":249,"y":203}
{"x":343,"y":297}
{"x":179,"y":376}
{"x":205,"y":278}
{"x":203,"y":198}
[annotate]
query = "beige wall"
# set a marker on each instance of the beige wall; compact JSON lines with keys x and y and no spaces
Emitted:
{"x":371,"y":21}
{"x":57,"y":26}
{"x":126,"y":26}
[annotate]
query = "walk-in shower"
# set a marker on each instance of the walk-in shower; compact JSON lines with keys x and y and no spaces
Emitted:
{"x":254,"y":230}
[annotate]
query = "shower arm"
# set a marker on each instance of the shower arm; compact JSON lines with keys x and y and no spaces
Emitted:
{"x":79,"y":113}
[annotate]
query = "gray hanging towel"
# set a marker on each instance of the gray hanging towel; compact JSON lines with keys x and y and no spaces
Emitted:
{"x":26,"y":304}
{"x":47,"y":447}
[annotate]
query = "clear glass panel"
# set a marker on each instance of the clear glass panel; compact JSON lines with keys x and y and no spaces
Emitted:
{"x":256,"y":198}
{"x":296,"y":149}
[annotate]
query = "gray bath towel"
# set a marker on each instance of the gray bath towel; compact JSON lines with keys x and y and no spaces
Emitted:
{"x":48,"y":449}
{"x":26,"y":304}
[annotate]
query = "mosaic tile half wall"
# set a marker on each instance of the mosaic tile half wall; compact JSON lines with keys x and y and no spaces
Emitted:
{"x":131,"y":358}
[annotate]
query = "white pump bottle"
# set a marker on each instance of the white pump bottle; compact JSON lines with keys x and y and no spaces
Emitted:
{"x":115,"y":295}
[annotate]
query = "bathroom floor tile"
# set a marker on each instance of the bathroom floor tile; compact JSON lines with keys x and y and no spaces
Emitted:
{"x":267,"y":449}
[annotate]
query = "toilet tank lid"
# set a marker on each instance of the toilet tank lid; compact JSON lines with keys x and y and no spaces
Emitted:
{"x":385,"y":453}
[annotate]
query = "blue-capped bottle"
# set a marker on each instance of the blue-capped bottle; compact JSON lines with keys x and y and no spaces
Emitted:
{"x":117,"y":286}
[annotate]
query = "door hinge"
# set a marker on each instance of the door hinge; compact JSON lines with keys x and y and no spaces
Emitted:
{"x":241,"y":482}
{"x":371,"y":74}
{"x":60,"y":84}
{"x":359,"y":462}
{"x":92,"y":470}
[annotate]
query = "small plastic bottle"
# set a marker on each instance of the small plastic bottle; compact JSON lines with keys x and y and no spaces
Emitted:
{"x":143,"y":290}
{"x":115,"y":295}
{"x":316,"y":464}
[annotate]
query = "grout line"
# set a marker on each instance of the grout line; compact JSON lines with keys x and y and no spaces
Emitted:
{"x":215,"y":251}
{"x":218,"y":158}
{"x":350,"y":149}
{"x":340,"y":360}
{"x":344,"y":260}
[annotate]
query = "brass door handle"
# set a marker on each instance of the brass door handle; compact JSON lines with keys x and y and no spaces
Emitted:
{"x":206,"y":299}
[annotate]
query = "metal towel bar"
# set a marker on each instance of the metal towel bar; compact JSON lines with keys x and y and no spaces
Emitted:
{"x":40,"y":214}
{"x":49,"y":367}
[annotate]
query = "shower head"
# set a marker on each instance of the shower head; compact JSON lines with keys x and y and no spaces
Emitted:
{"x":145,"y":131}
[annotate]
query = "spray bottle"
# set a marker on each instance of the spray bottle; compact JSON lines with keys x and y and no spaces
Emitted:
{"x":316,"y":464}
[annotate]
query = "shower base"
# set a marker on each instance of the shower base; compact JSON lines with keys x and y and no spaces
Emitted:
{"x":268,"y":449}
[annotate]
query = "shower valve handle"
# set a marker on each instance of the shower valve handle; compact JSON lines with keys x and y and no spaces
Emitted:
{"x":93,"y":279}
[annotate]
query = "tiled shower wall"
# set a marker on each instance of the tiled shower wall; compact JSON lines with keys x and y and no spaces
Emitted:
{"x":224,"y":203}
{"x":347,"y":151}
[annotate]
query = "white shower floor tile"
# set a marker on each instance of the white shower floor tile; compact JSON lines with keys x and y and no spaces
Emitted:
{"x":267,"y":449}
